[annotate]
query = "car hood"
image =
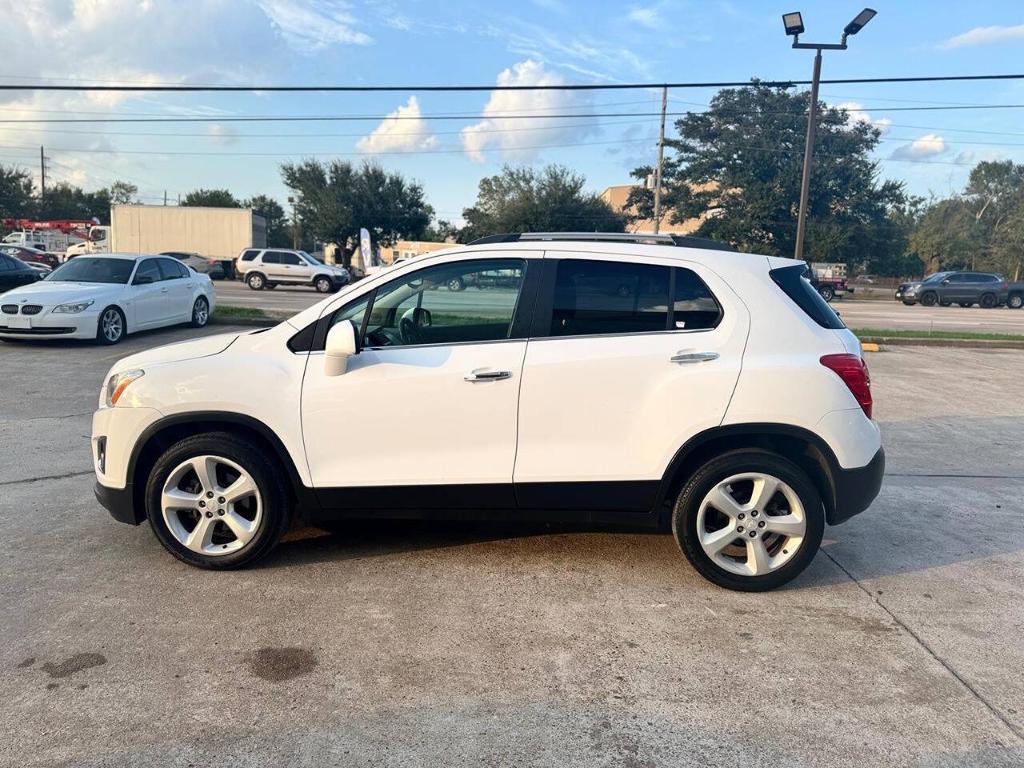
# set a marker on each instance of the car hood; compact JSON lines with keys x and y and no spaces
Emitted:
{"x":906,"y":286}
{"x":173,"y":353}
{"x":50,"y":293}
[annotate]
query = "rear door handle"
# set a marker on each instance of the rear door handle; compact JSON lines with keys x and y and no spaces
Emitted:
{"x":686,"y":356}
{"x":488,"y":375}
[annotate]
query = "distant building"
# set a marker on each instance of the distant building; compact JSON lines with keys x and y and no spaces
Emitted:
{"x":617,"y":198}
{"x":406,"y":249}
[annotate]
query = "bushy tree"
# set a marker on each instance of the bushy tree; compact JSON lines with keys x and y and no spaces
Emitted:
{"x":65,"y":201}
{"x":211,"y":198}
{"x":527,"y":200}
{"x":122,"y":192}
{"x":16,"y":199}
{"x":738,"y":164}
{"x":336,"y":199}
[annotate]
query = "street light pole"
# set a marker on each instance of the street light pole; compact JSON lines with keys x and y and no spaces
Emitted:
{"x":794,"y":25}
{"x":661,"y":161}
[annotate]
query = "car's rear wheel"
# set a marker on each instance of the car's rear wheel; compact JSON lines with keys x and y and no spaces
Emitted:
{"x":323,"y":284}
{"x":988,"y":301}
{"x":111,"y":326}
{"x":456,"y":284}
{"x":827,"y":292}
{"x":945,"y":303}
{"x":1015,"y":300}
{"x":929,"y":299}
{"x":200,"y":312}
{"x":256,"y":281}
{"x":965,"y":304}
{"x":749,"y":520}
{"x":215,"y":501}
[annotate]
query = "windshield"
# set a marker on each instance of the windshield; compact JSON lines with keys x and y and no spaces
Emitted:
{"x":309,"y":259}
{"x":936,"y":277}
{"x":94,"y":271}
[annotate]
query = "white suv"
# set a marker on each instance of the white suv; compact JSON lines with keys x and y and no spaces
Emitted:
{"x":269,"y":267}
{"x":599,"y":380}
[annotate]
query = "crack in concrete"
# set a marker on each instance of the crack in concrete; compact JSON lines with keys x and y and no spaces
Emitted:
{"x":46,"y":477}
{"x":1010,"y":726}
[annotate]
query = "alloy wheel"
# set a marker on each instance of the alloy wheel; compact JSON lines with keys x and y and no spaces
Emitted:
{"x":751,"y":524}
{"x":200,"y":312}
{"x":211,"y":505}
{"x":112,"y":325}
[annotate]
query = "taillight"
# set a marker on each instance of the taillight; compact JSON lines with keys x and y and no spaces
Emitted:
{"x":1006,"y":285}
{"x":211,"y":262}
{"x":854,"y":373}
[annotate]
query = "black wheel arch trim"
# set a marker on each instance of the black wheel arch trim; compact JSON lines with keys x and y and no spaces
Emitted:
{"x":304,"y":496}
{"x":845,"y":492}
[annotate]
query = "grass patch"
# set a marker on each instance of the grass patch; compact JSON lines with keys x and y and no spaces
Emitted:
{"x":240,"y":313}
{"x":876,"y":333}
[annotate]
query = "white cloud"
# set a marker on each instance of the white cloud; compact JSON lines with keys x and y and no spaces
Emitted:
{"x":403,"y":130}
{"x":645,"y":17}
{"x":315,"y":25}
{"x":986,"y":36}
{"x":517,"y":139}
{"x":929,"y":145}
{"x":221,"y":134}
{"x":858,"y":115}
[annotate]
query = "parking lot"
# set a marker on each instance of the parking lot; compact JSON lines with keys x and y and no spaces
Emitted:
{"x":875,"y":314}
{"x":427,"y":644}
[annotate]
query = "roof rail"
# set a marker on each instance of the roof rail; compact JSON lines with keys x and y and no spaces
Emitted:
{"x":643,"y":238}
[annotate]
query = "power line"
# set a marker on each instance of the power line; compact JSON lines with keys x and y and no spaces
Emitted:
{"x":177,"y":88}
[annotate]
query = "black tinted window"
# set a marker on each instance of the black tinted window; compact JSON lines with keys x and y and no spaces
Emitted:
{"x":694,"y":306}
{"x":249,"y":255}
{"x":601,"y":297}
{"x":149,"y":268}
{"x":95,"y":270}
{"x":6,"y":264}
{"x":171,"y":270}
{"x":290,"y":258}
{"x":271,"y":257}
{"x":799,"y":289}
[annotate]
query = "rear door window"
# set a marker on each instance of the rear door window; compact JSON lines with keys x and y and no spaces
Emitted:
{"x":609,"y":297}
{"x":271,"y":257}
{"x":694,"y":307}
{"x":794,"y":283}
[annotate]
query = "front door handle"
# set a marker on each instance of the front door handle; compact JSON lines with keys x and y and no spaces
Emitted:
{"x":487,"y":375}
{"x":687,"y":356}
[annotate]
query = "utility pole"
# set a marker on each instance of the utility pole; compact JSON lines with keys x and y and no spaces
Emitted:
{"x":794,"y":24}
{"x":296,"y":235}
{"x":42,"y":173}
{"x":661,"y":160}
{"x":165,"y":198}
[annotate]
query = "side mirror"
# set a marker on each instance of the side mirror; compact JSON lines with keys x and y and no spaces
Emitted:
{"x":342,"y":343}
{"x":143,"y":280}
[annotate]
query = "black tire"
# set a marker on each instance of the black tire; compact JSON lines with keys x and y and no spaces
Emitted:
{"x":966,"y":304}
{"x":909,"y":303}
{"x":1015,"y":300}
{"x":109,"y":338}
{"x":263,"y":470}
{"x":200,"y":313}
{"x":945,"y":303}
{"x":456,"y":284}
{"x":323,"y":284}
{"x":256,"y":281}
{"x":826,"y":292}
{"x":929,"y":299}
{"x":989,"y":301}
{"x":685,"y":513}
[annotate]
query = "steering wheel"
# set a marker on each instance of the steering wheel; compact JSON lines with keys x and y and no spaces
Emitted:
{"x":407,"y":329}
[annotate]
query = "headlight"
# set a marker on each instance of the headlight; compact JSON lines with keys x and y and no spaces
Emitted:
{"x":118,"y":383}
{"x":71,"y":309}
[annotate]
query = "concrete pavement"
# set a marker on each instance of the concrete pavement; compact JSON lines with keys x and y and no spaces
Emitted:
{"x":415,"y":644}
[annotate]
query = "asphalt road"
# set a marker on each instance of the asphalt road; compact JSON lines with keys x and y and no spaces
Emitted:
{"x":456,"y":645}
{"x":879,"y":315}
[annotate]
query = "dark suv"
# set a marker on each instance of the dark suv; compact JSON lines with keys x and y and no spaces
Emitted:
{"x":964,"y":288}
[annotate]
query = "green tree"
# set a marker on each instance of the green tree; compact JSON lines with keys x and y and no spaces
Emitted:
{"x":336,"y":199}
{"x":279,"y":233}
{"x":65,"y":201}
{"x":211,"y":198}
{"x":15,"y":193}
{"x":527,"y":200}
{"x":947,"y":236}
{"x":738,"y":164}
{"x":122,"y":192}
{"x":441,"y":231}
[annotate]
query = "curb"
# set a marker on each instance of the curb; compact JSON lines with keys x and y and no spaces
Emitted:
{"x":255,"y":322}
{"x":926,"y":342}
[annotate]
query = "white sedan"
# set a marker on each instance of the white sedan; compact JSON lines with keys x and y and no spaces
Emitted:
{"x":106,"y":296}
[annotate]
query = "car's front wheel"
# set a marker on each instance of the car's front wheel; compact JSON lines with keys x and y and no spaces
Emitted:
{"x":1015,"y":300}
{"x":323,"y":284}
{"x":200,"y":312}
{"x":929,"y":299}
{"x":111,"y":326}
{"x":749,"y":520}
{"x":827,"y":292}
{"x":256,"y":281}
{"x":215,"y":501}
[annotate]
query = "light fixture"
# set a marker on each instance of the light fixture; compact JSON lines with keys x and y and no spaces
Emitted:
{"x":794,"y":23}
{"x":859,"y":22}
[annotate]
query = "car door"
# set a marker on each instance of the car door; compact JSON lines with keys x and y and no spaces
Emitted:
{"x":956,"y":288}
{"x":295,"y":269}
{"x":618,"y":377}
{"x":270,"y":264}
{"x":149,"y":295}
{"x":425,"y":415}
{"x":179,"y":287}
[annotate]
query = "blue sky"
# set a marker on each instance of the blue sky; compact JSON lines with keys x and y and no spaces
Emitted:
{"x":530,"y":41}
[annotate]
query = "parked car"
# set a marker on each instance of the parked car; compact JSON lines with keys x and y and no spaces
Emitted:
{"x":15,"y":273}
{"x":105,"y":297}
{"x":547,"y":398}
{"x":31,"y":255}
{"x":271,"y":267}
{"x":1015,"y":295}
{"x":211,"y":267}
{"x":987,"y":289}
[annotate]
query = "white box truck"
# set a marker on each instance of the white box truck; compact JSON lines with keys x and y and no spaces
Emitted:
{"x":214,"y":233}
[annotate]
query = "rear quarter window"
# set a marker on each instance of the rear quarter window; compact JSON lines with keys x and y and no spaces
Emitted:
{"x":798,"y":288}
